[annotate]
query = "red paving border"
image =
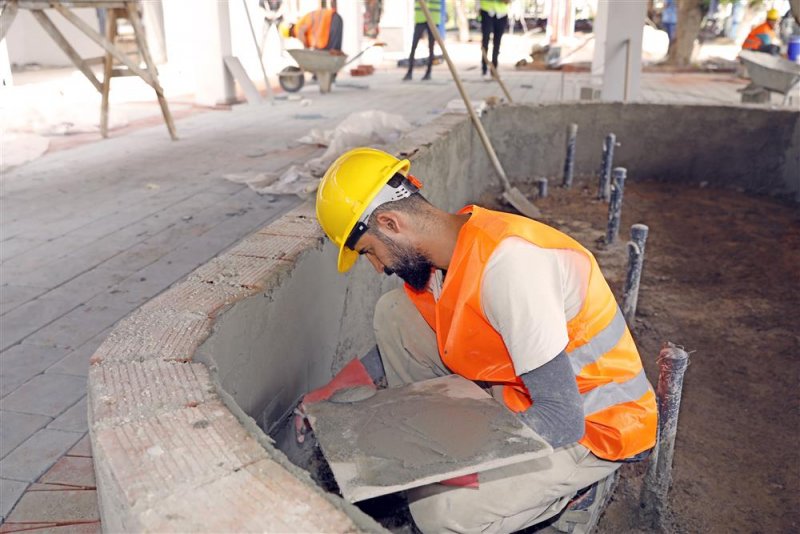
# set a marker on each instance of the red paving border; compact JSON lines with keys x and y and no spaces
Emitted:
{"x":64,"y":499}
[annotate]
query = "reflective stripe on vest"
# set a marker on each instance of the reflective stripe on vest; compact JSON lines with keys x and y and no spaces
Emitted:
{"x":618,"y":402}
{"x":614,"y":393}
{"x":602,"y":342}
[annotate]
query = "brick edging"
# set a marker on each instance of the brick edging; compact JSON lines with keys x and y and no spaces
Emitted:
{"x":169,"y":455}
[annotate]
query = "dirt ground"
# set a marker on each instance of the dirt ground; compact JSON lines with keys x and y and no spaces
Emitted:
{"x":721,"y":278}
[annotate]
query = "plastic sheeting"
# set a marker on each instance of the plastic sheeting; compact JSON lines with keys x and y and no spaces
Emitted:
{"x":365,"y":128}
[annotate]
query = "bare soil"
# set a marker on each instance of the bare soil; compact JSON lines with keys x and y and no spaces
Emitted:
{"x":722,"y":279}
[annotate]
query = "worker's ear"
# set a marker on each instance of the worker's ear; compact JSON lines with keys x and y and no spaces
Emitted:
{"x":391,"y":222}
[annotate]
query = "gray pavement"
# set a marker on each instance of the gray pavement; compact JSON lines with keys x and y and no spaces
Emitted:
{"x":90,"y":233}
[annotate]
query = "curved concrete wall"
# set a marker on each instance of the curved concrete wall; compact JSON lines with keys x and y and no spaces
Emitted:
{"x":176,"y":389}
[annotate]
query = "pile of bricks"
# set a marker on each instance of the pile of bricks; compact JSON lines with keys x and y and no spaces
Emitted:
{"x":362,"y":70}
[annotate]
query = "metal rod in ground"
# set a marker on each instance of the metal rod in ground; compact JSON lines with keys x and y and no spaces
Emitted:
{"x":604,"y":186}
{"x":541,"y":183}
{"x":672,"y":362}
{"x":569,"y":160}
{"x":615,"y":206}
{"x":630,"y":295}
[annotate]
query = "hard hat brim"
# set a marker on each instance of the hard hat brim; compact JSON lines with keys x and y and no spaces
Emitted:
{"x":347,"y":258}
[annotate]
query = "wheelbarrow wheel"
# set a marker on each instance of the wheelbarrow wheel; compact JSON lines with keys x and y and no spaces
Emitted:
{"x":291,"y":79}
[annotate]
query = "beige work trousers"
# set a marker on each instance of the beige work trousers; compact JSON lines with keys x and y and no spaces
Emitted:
{"x":508,"y":498}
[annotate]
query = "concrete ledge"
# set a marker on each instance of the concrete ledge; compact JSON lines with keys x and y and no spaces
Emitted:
{"x":169,"y":454}
{"x":176,"y":389}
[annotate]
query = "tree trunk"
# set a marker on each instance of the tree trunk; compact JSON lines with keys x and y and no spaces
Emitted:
{"x":461,"y":21}
{"x":690,"y":17}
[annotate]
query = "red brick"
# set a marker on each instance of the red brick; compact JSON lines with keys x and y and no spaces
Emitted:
{"x":263,"y":497}
{"x":132,"y":390}
{"x":195,"y":295}
{"x":71,"y":471}
{"x":295,"y":225}
{"x":243,"y":271}
{"x":82,"y":448}
{"x":273,"y":247}
{"x":55,"y":507}
{"x":150,"y":458}
{"x":165,"y":334}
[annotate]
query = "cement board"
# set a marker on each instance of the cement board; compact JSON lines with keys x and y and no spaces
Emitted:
{"x":419,"y":434}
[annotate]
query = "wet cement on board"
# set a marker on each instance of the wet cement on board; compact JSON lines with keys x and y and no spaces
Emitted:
{"x":402,"y":435}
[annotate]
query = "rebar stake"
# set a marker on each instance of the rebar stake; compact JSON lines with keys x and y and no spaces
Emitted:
{"x":541,"y":183}
{"x":615,"y":206}
{"x":604,"y":186}
{"x":630,"y":295}
{"x":672,"y":362}
{"x":569,"y":161}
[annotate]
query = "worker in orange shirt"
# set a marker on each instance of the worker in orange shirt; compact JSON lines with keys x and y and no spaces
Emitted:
{"x":320,"y":29}
{"x":763,"y":38}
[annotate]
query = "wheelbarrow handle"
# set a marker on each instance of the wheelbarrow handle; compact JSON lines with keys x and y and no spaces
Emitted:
{"x":355,"y":57}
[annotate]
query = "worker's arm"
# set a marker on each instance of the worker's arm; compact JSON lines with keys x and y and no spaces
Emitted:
{"x":529,"y":294}
{"x":557,"y":410}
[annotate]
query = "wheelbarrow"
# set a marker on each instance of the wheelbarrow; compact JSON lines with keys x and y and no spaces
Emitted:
{"x":771,"y":73}
{"x":324,"y":64}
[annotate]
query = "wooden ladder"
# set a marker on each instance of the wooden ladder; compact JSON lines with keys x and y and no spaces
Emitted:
{"x":115,"y":10}
{"x":131,"y":13}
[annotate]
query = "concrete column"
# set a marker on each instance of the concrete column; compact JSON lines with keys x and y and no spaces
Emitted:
{"x":352,"y":14}
{"x":561,"y":22}
{"x":397,"y":27}
{"x":617,"y":26}
{"x":196,"y":43}
{"x":5,"y":66}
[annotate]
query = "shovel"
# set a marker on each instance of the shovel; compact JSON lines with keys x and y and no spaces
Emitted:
{"x":496,"y":76}
{"x":512,"y":195}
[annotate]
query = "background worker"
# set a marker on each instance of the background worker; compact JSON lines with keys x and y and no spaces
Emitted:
{"x":494,"y":21}
{"x":763,"y":38}
{"x":524,"y":309}
{"x":420,"y":27}
{"x":321,"y":29}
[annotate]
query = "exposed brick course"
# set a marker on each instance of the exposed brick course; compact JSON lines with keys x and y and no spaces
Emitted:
{"x":169,"y":455}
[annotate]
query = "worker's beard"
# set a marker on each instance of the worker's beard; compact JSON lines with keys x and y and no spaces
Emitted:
{"x":412,"y":266}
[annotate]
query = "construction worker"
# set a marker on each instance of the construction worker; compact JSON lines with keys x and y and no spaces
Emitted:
{"x":763,"y":38}
{"x":321,"y":29}
{"x":420,"y":27}
{"x":523,"y":310}
{"x":494,"y":21}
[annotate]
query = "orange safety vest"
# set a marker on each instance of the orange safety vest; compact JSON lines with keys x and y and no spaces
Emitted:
{"x":618,"y":402}
{"x":754,"y":43}
{"x":314,"y":28}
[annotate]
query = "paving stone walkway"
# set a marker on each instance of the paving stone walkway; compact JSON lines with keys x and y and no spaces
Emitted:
{"x":89,"y":233}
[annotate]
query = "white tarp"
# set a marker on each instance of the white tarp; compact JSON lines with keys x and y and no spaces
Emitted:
{"x":366,"y":128}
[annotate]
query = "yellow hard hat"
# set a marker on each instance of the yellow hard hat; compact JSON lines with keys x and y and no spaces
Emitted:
{"x":773,"y":14}
{"x":284,"y":28}
{"x":355,"y":184}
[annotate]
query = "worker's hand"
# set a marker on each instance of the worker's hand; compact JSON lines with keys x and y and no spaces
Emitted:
{"x":352,"y":375}
{"x":301,"y":425}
